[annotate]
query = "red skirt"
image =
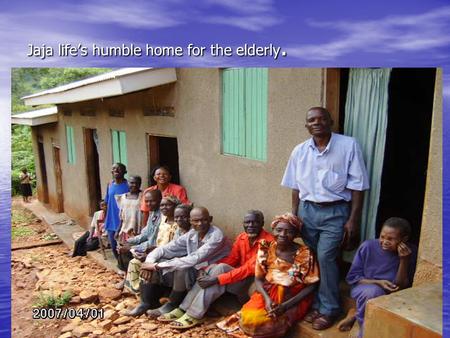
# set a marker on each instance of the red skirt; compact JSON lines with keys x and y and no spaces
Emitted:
{"x":254,"y":320}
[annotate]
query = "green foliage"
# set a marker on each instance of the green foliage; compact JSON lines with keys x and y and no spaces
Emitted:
{"x":21,"y":216}
{"x":52,"y":301}
{"x":26,"y":81}
{"x":21,"y":231}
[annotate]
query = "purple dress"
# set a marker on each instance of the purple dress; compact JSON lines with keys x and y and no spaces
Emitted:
{"x":372,"y":262}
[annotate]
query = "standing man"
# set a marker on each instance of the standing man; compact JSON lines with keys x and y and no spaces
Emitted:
{"x":328,"y":177}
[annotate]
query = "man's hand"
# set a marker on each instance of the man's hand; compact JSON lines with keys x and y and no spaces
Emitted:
{"x":351,"y":235}
{"x":403,"y":250}
{"x":146,"y":275}
{"x":123,"y":248}
{"x":387,"y":285}
{"x":149,"y":266}
{"x":207,"y":281}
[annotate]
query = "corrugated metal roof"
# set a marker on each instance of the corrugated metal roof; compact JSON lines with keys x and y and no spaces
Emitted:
{"x":95,"y":79}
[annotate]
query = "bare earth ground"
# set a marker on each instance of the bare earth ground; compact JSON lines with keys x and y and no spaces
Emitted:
{"x":49,"y":270}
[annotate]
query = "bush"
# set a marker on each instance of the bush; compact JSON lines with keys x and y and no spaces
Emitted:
{"x":52,"y":301}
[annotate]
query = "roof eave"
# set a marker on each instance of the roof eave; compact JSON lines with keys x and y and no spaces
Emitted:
{"x":111,"y":87}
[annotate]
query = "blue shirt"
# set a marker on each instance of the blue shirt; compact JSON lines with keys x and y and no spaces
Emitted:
{"x":372,"y":262}
{"x":188,"y":251}
{"x":329,"y":175}
{"x":112,"y":220}
{"x":147,"y":237}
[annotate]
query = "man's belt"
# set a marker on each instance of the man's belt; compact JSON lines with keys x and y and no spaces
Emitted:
{"x":328,"y":204}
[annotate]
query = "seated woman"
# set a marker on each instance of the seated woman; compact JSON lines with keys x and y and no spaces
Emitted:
{"x":286,"y":274}
{"x":161,"y":177}
{"x":90,"y":240}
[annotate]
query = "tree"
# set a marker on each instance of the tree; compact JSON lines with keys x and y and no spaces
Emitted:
{"x":26,"y":81}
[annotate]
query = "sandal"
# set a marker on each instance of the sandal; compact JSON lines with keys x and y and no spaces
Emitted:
{"x":323,"y":322}
{"x":171,"y":316}
{"x":185,"y":322}
{"x":311,"y":316}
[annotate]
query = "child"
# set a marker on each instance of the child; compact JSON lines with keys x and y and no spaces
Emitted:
{"x":117,"y":186}
{"x":91,"y":239}
{"x":130,"y":218}
{"x":381,"y":266}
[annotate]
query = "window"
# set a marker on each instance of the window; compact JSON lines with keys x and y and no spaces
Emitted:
{"x":244,"y":110}
{"x":70,"y":145}
{"x":119,"y":146}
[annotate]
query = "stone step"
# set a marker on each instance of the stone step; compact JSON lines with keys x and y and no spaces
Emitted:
{"x":305,"y":330}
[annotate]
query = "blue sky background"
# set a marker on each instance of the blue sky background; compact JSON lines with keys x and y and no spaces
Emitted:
{"x":313,"y":33}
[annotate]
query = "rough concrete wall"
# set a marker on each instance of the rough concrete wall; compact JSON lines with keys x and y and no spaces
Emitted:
{"x":429,"y":267}
{"x":49,"y":135}
{"x":227,"y":185}
{"x":230,"y":185}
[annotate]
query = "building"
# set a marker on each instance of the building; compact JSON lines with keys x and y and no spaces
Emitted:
{"x":227,"y":135}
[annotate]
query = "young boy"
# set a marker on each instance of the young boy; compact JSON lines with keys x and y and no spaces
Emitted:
{"x":381,"y":266}
{"x":117,"y":186}
{"x":90,"y":240}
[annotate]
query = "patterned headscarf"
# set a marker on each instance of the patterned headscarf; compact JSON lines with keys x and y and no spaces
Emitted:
{"x":173,"y":199}
{"x":288,"y":218}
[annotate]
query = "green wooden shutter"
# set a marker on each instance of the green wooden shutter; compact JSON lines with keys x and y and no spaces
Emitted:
{"x":244,"y":112}
{"x":123,"y":147}
{"x":119,"y":146}
{"x":115,"y":146}
{"x":233,"y":112}
{"x":256,"y":81}
{"x":70,"y":145}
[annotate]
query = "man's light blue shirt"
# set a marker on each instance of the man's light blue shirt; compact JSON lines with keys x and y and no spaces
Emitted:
{"x":329,"y":175}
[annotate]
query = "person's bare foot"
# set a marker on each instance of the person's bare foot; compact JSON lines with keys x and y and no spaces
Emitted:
{"x":119,"y":285}
{"x":346,"y":324}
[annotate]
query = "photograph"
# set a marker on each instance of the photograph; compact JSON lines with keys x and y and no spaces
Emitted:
{"x":229,"y":201}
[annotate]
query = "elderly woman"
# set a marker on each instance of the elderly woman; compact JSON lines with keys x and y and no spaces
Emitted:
{"x":286,"y":274}
{"x":161,"y":176}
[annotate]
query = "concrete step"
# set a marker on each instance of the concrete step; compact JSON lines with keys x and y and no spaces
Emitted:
{"x":305,"y":330}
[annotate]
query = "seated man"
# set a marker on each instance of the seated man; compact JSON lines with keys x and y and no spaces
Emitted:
{"x":142,"y":244}
{"x":179,"y":262}
{"x":234,"y":273}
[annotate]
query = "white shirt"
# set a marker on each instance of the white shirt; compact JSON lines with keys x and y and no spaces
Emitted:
{"x":329,"y":175}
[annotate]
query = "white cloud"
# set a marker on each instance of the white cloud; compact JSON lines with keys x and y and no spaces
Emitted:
{"x":245,"y":6}
{"x":136,"y":14}
{"x":421,"y":32}
{"x":252,"y":15}
{"x":252,"y":23}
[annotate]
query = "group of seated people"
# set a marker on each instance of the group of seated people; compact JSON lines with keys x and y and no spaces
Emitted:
{"x":274,"y":276}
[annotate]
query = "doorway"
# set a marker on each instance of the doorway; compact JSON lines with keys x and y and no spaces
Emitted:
{"x":163,"y":151}
{"x":92,"y":168}
{"x":58,"y":180}
{"x":43,"y":189}
{"x":410,"y":107}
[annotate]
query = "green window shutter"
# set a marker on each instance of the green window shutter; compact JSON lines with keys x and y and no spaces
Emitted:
{"x":256,"y":83}
{"x":233,"y":112}
{"x":244,"y":112}
{"x":119,"y":146}
{"x":123,"y":147}
{"x":70,"y":145}
{"x":115,"y":146}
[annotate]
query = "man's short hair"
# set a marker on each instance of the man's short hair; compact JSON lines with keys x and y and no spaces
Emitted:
{"x":322,"y":109}
{"x":257,"y":213}
{"x":156,"y":193}
{"x":185,"y":207}
{"x":400,"y":224}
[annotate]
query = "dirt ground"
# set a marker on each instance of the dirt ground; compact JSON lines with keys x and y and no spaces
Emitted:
{"x":48,"y":270}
